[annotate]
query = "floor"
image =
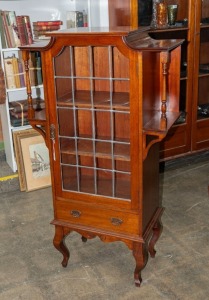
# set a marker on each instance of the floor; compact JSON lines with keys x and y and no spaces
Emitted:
{"x":30,"y":266}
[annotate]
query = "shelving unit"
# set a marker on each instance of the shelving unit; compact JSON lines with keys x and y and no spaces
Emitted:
{"x":39,"y":10}
{"x":15,"y":94}
{"x":111,"y":97}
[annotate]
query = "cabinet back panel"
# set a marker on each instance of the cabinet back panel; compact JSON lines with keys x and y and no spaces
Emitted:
{"x":182,"y":8}
{"x":205,"y":9}
{"x":203,"y":94}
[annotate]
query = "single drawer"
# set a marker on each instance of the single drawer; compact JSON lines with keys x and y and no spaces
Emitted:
{"x":95,"y":217}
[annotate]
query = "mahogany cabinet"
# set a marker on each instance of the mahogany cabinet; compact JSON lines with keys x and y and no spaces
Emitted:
{"x":111,"y":96}
{"x":191,"y":132}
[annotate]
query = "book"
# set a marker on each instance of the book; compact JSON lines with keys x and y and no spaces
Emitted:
{"x":2,"y":32}
{"x":74,"y":19}
{"x":19,"y":122}
{"x":16,"y":71}
{"x":13,"y":24}
{"x":18,"y":115}
{"x":44,"y":23}
{"x":9,"y":73}
{"x":21,"y":72}
{"x":32,"y":69}
{"x":38,"y":68}
{"x":22,"y":105}
{"x":28,"y":29}
{"x":7,"y":31}
{"x":21,"y":30}
{"x":45,"y":28}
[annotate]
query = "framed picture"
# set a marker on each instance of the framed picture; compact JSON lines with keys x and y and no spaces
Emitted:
{"x":17,"y":136}
{"x":36,"y":162}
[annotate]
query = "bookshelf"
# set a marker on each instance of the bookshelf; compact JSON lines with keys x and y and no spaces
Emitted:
{"x":39,"y":11}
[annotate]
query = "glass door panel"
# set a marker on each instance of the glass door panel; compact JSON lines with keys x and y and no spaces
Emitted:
{"x":93,"y":113}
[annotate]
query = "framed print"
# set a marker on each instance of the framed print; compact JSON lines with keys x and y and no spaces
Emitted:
{"x":36,"y":162}
{"x":17,"y":136}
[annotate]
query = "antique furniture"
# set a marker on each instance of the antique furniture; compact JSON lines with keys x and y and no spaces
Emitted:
{"x":190,"y":134}
{"x":111,"y":96}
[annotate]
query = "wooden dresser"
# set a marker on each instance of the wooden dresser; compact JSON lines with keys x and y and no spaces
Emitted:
{"x":111,"y":96}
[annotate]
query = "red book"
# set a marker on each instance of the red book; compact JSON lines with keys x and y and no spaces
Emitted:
{"x":44,"y":23}
{"x":28,"y":30}
{"x":46,"y":27}
{"x":21,"y":30}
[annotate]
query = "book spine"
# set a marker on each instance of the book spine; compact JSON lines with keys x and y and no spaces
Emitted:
{"x":22,"y":105}
{"x":13,"y":24}
{"x":9,"y":72}
{"x":2,"y":31}
{"x":21,"y":30}
{"x":47,"y":28}
{"x":10,"y":29}
{"x":21,"y":73}
{"x":32,"y":68}
{"x":7,"y":35}
{"x":28,"y":29}
{"x":18,"y":115}
{"x":38,"y":68}
{"x":16,"y":71}
{"x":44,"y":23}
{"x":19,"y":122}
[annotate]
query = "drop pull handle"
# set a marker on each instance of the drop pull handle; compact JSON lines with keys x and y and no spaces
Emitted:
{"x":75,"y":213}
{"x":116,"y":221}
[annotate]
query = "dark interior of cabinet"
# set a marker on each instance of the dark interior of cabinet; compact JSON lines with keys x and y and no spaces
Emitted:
{"x":145,"y":10}
{"x":93,"y":112}
{"x":203,"y":93}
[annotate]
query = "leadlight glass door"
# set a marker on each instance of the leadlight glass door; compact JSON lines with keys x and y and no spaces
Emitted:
{"x":93,"y":113}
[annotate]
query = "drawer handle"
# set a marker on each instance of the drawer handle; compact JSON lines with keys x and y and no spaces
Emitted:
{"x":116,"y":221}
{"x":75,"y":213}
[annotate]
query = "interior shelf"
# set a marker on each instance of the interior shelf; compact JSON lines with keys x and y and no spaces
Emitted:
{"x":97,"y":99}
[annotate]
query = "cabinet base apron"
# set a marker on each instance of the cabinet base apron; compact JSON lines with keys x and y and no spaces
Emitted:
{"x":141,"y":246}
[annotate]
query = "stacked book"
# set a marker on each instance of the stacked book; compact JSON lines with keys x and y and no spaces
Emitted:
{"x":15,"y":30}
{"x":14,"y":71}
{"x":40,"y":28}
{"x":19,"y":111}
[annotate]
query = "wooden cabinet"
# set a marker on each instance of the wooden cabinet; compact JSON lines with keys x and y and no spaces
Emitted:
{"x":201,"y":78}
{"x":191,"y":132}
{"x":111,"y":97}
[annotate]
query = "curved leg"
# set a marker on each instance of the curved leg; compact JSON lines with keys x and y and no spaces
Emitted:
{"x":141,"y":256}
{"x":59,"y":244}
{"x":157,"y":229}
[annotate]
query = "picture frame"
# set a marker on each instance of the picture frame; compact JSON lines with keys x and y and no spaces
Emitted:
{"x":17,"y":136}
{"x":36,"y":162}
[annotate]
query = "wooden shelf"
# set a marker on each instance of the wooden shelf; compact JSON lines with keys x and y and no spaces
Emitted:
{"x":102,"y":149}
{"x":98,"y":99}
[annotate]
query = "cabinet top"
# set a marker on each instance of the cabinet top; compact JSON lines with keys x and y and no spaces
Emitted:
{"x":135,"y":38}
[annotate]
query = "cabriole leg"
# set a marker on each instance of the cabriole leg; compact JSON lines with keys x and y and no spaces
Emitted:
{"x":59,"y":244}
{"x":157,"y":229}
{"x":141,"y":256}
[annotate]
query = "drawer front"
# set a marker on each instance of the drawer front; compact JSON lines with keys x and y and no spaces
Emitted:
{"x":95,"y":217}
